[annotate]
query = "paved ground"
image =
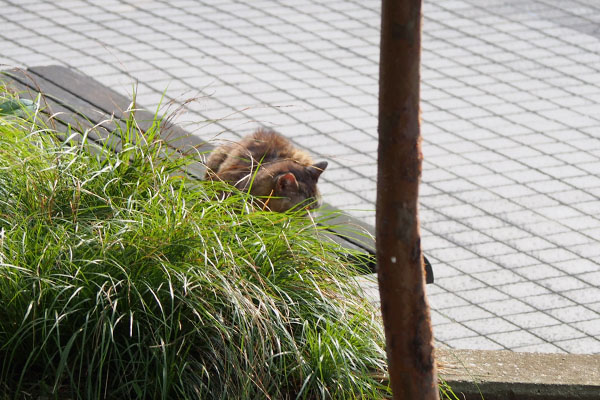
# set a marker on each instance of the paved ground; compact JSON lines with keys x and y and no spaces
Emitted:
{"x":510,"y":200}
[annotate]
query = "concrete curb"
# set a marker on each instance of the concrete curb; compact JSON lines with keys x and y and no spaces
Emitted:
{"x":506,"y":375}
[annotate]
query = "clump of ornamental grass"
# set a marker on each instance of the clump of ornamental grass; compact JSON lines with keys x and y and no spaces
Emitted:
{"x":122,"y":277}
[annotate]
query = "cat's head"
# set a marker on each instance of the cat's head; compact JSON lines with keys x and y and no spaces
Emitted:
{"x":288,"y":185}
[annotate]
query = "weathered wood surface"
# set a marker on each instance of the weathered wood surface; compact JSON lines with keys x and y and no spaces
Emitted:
{"x":83,"y":103}
{"x":79,"y":101}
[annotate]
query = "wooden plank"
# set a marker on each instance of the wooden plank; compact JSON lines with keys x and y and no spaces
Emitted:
{"x":64,"y":108}
{"x":356,"y":254}
{"x":110,"y":102}
{"x":360,"y":235}
{"x":25,"y":92}
{"x":67,"y":106}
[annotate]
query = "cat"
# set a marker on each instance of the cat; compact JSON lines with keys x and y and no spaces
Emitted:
{"x":268,"y":166}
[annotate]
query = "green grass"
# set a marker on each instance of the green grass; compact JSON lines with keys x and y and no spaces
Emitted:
{"x":122,"y":278}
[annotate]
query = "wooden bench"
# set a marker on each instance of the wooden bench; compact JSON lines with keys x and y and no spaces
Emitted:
{"x":82,"y":103}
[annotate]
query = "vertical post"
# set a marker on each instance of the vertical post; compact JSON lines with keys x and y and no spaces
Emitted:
{"x":404,"y":306}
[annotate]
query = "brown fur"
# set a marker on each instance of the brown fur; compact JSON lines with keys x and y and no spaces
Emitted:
{"x":284,"y":176}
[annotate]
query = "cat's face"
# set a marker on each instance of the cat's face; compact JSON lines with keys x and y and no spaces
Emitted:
{"x":289,"y":186}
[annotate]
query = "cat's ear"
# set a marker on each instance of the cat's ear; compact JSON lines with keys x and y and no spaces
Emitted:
{"x":317,"y":169}
{"x":287,"y":181}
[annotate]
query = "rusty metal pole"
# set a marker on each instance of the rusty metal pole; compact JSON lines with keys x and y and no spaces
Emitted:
{"x":404,"y":306}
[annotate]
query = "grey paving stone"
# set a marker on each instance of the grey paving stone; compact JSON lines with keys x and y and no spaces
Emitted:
{"x":482,"y":295}
{"x":593,"y":278}
{"x":548,"y":227}
{"x":446,"y":300}
{"x":588,"y":251}
{"x":465,"y":313}
{"x":520,"y":287}
{"x":586,"y":345}
{"x":535,"y":319}
{"x":466,"y":238}
{"x":516,"y":339}
{"x":581,"y":223}
{"x":589,"y":207}
{"x":447,"y":228}
{"x":548,"y":301}
{"x":438,"y":319}
{"x":461,"y":211}
{"x":483,"y":198}
{"x":569,"y":239}
{"x":564,"y":283}
{"x":474,"y":343}
{"x":454,"y":255}
{"x":540,"y":348}
{"x":513,"y":190}
{"x":453,"y":330}
{"x":532,"y":243}
{"x":492,"y":249}
{"x":583,"y":296}
{"x":574,"y":314}
{"x":524,"y":218}
{"x":507,"y":307}
{"x":557,"y":332}
{"x":592,"y":167}
{"x":559,"y":212}
{"x":484,"y":222}
{"x":554,"y":255}
{"x":461,"y":283}
{"x":508,"y":233}
{"x":498,"y":277}
{"x":473,"y":265}
{"x":445,"y":270}
{"x":590,"y":327}
{"x":492,"y":181}
{"x":440,"y":200}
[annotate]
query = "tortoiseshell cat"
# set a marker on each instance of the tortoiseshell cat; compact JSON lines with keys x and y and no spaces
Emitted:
{"x":284,"y":176}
